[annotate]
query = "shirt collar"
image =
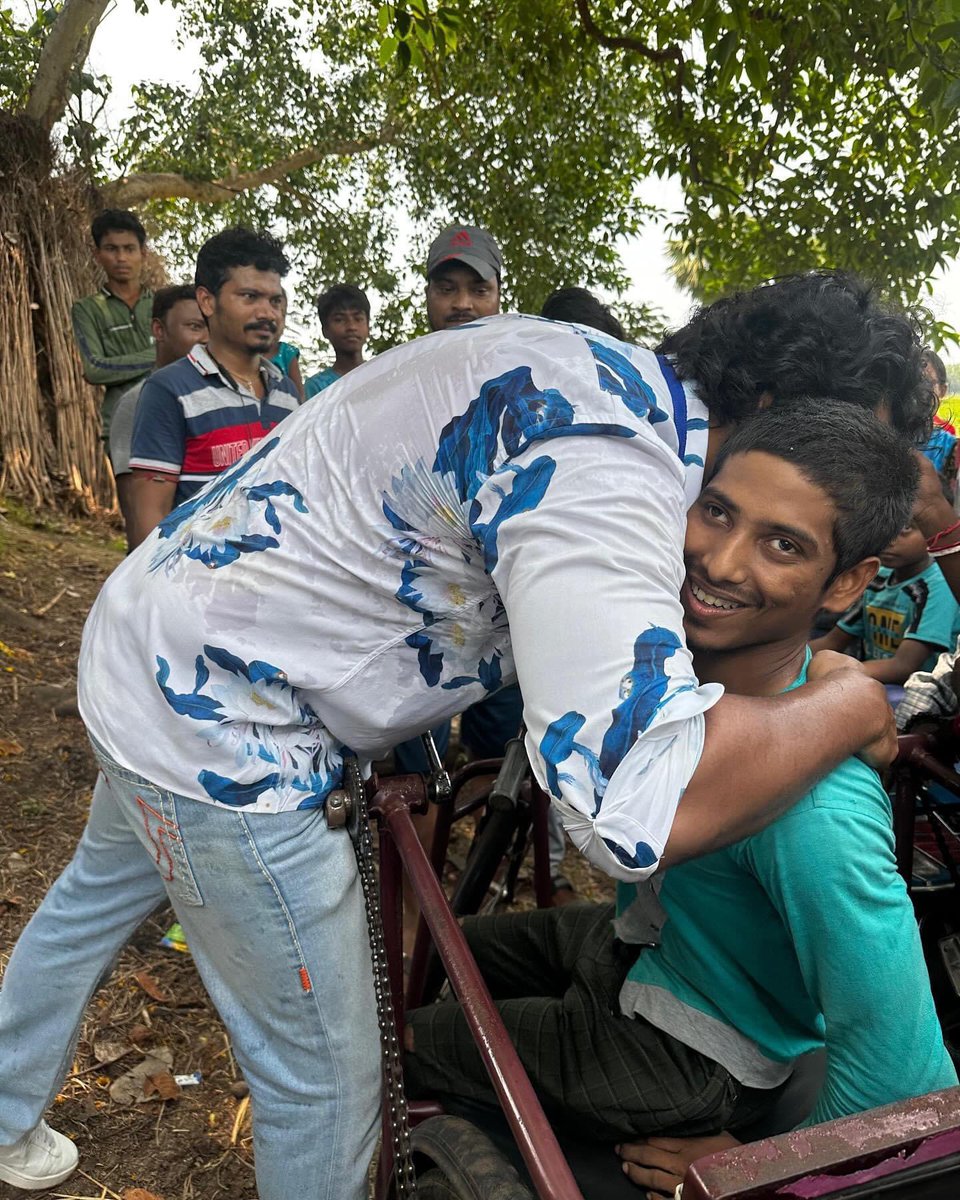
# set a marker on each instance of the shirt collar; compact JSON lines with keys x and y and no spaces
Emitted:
{"x":203,"y":361}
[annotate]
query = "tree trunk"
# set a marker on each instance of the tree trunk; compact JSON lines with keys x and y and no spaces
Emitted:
{"x":66,"y":47}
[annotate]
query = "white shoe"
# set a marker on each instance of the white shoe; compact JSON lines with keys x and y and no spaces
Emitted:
{"x":41,"y":1159}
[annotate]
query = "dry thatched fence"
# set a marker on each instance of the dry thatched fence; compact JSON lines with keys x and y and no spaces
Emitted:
{"x":50,"y":449}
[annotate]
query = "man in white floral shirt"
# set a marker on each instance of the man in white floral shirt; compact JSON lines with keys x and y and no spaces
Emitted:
{"x":501,"y":501}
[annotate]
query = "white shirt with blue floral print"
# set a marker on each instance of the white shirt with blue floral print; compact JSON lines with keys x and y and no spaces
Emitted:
{"x":502,"y":501}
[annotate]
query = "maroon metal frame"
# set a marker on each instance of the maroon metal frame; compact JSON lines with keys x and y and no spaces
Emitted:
{"x":917,"y":757}
{"x":826,"y":1159}
{"x":401,"y":851}
{"x":450,"y":811}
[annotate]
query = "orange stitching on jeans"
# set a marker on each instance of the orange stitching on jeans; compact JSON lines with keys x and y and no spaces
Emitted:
{"x":165,"y":829}
{"x":172,"y":829}
{"x":305,"y":980}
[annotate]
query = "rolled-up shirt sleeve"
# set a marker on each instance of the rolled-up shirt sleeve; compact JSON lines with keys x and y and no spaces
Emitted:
{"x":584,"y":539}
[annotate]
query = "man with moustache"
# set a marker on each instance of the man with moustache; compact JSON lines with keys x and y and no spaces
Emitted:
{"x":199,"y":415}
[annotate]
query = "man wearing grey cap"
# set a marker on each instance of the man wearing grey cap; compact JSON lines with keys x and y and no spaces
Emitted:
{"x":464,"y":266}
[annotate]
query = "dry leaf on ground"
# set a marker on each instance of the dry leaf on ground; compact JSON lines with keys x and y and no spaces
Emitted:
{"x":129,"y":1088}
{"x":163,"y":1083}
{"x":151,"y":987}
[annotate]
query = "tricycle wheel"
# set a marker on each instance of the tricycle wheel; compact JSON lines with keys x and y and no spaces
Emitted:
{"x":458,"y":1162}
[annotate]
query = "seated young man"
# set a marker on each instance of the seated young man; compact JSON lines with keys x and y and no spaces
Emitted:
{"x":906,"y":616}
{"x":797,"y":938}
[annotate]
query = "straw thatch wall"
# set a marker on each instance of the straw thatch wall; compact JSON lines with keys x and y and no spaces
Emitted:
{"x":50,"y":448}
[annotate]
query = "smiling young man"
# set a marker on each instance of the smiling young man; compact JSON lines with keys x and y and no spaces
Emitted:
{"x":768,"y":949}
{"x":198,"y":416}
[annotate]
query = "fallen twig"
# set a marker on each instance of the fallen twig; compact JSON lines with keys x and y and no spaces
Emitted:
{"x":44,"y":609}
{"x":238,"y":1119}
{"x":97,"y":1183}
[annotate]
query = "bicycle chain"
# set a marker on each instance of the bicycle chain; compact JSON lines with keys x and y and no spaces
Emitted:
{"x":404,"y":1175}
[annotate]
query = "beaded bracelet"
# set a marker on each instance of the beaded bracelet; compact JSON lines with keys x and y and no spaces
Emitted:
{"x":934,"y":542}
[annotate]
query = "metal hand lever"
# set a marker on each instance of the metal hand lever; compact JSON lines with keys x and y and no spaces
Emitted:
{"x":438,"y":782}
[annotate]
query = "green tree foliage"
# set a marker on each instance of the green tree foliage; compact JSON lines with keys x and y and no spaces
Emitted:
{"x":802,"y":136}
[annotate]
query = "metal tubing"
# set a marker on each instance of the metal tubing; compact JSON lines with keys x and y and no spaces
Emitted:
{"x":904,"y":818}
{"x":420,"y":961}
{"x":535,"y":1139}
{"x":542,"y":867}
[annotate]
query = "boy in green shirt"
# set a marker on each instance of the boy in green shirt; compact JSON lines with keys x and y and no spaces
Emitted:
{"x":799,"y":938}
{"x":112,"y":327}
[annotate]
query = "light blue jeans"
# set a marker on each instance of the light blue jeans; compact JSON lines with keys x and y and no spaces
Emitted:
{"x":273,"y":913}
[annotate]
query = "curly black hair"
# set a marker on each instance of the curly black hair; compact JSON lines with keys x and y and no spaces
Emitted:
{"x":823,"y":334}
{"x":237,"y":247}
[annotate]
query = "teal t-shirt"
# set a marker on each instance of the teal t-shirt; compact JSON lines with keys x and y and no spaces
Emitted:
{"x":285,"y":356}
{"x":922,"y":608}
{"x":798,"y":938}
{"x":322,"y":380}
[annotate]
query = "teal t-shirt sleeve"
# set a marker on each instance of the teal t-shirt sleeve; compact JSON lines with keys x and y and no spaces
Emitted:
{"x":852,"y":620}
{"x":830,"y":871}
{"x":935,"y":620}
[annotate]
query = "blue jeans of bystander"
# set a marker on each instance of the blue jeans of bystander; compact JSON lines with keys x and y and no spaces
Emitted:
{"x":273,"y":913}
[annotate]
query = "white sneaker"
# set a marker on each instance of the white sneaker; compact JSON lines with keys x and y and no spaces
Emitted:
{"x":41,"y":1159}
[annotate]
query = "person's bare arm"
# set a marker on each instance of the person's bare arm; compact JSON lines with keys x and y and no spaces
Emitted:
{"x":837,"y":639}
{"x":910,"y":656}
{"x":151,"y":497}
{"x":752,"y":746}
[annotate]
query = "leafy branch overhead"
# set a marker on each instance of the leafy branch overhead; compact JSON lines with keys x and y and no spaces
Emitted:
{"x":801,"y":136}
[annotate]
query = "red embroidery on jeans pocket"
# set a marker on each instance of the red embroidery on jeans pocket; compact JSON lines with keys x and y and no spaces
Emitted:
{"x":305,"y":980}
{"x":159,"y":834}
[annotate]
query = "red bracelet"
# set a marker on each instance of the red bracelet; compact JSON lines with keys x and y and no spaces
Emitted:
{"x":933,"y":543}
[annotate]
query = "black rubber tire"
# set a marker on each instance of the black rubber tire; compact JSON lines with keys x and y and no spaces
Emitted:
{"x":434,"y":1185}
{"x":458,"y":1162}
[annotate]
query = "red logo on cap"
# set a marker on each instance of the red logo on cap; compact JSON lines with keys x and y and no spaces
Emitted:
{"x":461,"y":239}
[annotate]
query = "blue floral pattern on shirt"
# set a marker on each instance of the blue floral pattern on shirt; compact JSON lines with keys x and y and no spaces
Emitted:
{"x":642,"y":692}
{"x":266,"y":723}
{"x":427,"y":508}
{"x":224,"y":520}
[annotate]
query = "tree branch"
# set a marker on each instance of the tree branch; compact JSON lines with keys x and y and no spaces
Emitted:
{"x":132,"y":190}
{"x":590,"y":28}
{"x":67,"y":44}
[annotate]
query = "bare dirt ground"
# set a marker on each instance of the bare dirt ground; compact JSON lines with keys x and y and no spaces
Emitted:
{"x":196,"y":1145}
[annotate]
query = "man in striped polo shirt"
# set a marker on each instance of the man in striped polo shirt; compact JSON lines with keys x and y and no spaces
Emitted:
{"x":201,"y":414}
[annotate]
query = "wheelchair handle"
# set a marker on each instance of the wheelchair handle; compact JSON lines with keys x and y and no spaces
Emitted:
{"x":506,"y":789}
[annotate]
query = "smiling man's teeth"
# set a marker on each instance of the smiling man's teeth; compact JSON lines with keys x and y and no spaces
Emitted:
{"x":710,"y":599}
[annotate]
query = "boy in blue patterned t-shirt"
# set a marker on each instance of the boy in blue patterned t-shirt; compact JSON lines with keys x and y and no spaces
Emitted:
{"x":906,"y":617}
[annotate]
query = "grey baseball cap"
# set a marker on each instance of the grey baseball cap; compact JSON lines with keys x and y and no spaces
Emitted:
{"x":469,"y":245}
